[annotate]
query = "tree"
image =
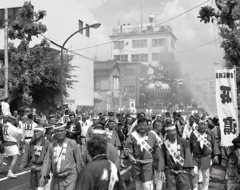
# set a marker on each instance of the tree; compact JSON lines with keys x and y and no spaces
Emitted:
{"x":227,"y":16}
{"x":34,"y":72}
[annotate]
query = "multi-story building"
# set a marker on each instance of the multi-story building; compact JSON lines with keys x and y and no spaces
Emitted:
{"x":135,"y":44}
{"x":106,"y":85}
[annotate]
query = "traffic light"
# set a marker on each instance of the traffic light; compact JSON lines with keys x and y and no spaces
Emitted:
{"x":2,"y":79}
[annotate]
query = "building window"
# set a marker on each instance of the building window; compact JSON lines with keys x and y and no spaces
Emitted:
{"x":124,"y":57}
{"x":155,"y":56}
{"x":102,"y":83}
{"x":129,"y":88}
{"x":129,"y":72}
{"x":139,"y":43}
{"x":139,"y":57}
{"x":118,"y":45}
{"x":158,"y":42}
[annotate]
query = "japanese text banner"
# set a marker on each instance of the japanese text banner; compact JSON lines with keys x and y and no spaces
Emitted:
{"x":226,"y":97}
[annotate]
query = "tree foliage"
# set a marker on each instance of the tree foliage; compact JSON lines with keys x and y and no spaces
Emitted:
{"x":227,"y":16}
{"x":34,"y":72}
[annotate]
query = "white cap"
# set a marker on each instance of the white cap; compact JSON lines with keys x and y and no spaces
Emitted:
{"x":39,"y":128}
{"x":60,"y":125}
{"x":170,"y":127}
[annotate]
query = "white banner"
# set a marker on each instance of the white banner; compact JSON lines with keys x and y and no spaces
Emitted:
{"x":226,"y":97}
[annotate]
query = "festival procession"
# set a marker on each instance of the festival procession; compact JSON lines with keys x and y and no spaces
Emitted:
{"x":119,"y":95}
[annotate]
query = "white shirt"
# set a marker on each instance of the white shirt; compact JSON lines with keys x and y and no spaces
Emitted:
{"x":188,"y":130}
{"x":5,"y":108}
{"x":84,"y":127}
{"x":11,"y":133}
{"x":28,"y":128}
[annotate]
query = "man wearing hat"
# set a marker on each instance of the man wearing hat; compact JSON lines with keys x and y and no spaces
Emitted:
{"x":139,"y":147}
{"x":178,"y":160}
{"x":203,"y":145}
{"x":11,"y":136}
{"x":34,"y":156}
{"x":101,"y":173}
{"x":112,"y":152}
{"x":63,"y":159}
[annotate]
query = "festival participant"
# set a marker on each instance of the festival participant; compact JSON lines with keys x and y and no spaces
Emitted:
{"x":34,"y":156}
{"x":189,"y":127}
{"x":127,"y":125}
{"x":11,"y":135}
{"x":203,"y":145}
{"x":158,"y":156}
{"x":101,"y":173}
{"x":178,"y":160}
{"x":74,"y":128}
{"x":5,"y":107}
{"x":63,"y":159}
{"x":112,"y":152}
{"x":28,"y":128}
{"x":85,"y":124}
{"x":112,"y":136}
{"x":95,"y":120}
{"x":139,"y":147}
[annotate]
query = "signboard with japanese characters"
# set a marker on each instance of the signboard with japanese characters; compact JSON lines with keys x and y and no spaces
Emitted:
{"x":116,"y":86}
{"x":226,"y":97}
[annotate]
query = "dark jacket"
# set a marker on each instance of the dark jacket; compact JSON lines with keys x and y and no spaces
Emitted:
{"x":96,"y":176}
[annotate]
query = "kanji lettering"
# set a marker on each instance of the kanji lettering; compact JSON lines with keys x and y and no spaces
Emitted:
{"x":229,"y":125}
{"x":225,"y":96}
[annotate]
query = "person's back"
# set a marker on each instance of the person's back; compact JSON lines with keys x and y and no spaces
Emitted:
{"x":96,"y":175}
{"x":101,"y":173}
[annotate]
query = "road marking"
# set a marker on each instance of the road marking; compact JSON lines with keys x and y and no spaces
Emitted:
{"x":125,"y":170}
{"x":20,"y":186}
{"x":18,"y":174}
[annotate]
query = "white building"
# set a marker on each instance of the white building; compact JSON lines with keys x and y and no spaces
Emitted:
{"x":62,"y":20}
{"x":136,"y":43}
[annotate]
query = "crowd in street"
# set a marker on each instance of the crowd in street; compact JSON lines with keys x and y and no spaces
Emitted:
{"x":86,"y":151}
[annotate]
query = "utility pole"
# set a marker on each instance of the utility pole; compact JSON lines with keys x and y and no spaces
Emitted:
{"x":6,"y":53}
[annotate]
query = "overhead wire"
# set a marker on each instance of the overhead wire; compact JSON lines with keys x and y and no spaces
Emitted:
{"x":197,"y":47}
{"x":183,"y":13}
{"x":181,"y":51}
{"x":71,"y":51}
{"x":101,"y":44}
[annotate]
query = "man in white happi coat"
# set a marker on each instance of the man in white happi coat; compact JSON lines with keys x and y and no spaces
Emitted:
{"x":63,"y":159}
{"x":11,"y":136}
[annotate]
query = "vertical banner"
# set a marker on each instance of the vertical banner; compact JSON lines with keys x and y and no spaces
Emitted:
{"x":226,"y":97}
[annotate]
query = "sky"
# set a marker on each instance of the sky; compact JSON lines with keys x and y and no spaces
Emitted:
{"x":197,"y":46}
{"x":190,"y":32}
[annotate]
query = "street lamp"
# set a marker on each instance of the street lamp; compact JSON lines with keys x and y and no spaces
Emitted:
{"x":96,"y":25}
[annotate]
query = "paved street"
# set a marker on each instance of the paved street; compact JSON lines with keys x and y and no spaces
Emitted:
{"x":22,"y":181}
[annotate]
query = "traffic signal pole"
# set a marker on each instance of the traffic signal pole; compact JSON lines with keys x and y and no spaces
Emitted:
{"x":6,"y":53}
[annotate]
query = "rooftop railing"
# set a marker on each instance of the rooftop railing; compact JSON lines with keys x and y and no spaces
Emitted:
{"x":125,"y":31}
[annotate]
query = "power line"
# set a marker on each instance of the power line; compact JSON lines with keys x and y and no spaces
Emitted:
{"x":157,"y":24}
{"x":183,"y":13}
{"x":197,"y":47}
{"x":73,"y":52}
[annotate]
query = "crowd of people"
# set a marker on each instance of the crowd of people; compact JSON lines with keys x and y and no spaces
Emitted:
{"x":87,"y":152}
